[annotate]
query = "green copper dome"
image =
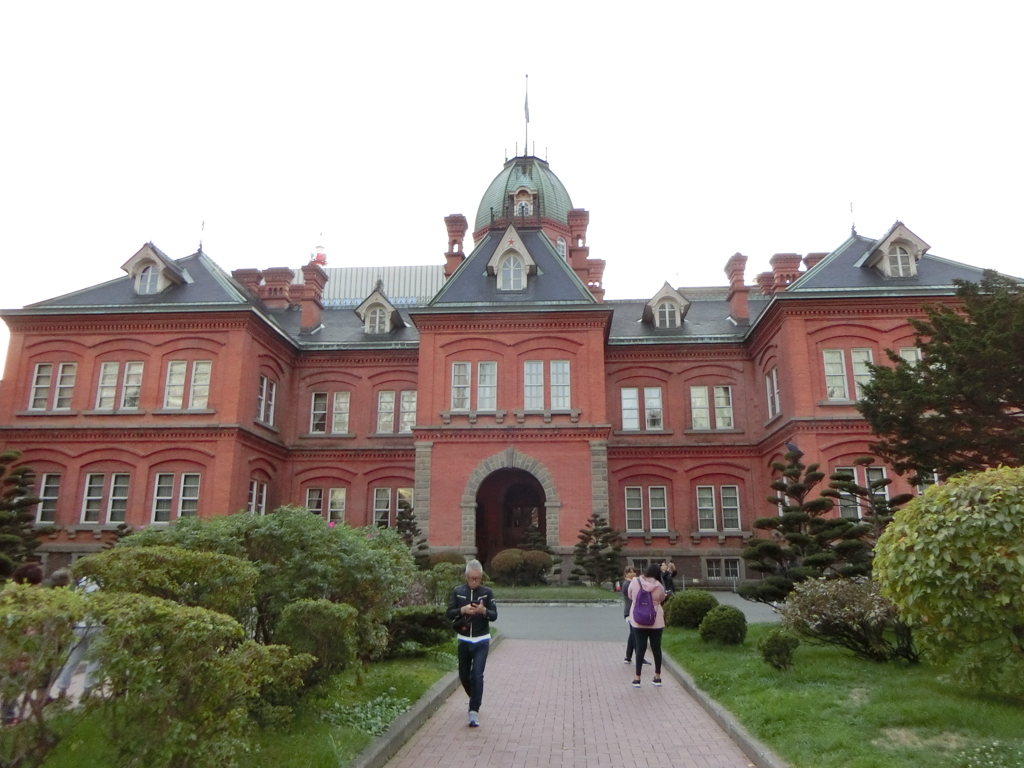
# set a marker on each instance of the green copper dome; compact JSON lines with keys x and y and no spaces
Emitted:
{"x":534,"y":174}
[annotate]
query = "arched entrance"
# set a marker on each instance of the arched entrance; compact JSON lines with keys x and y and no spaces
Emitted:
{"x":508,"y":502}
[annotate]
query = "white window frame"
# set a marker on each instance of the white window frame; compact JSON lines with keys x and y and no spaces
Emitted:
{"x":560,"y":247}
{"x":658,"y":508}
{"x":461,"y":385}
{"x":911,"y":354}
{"x":377,"y":320}
{"x":899,"y":262}
{"x":385,"y":412}
{"x":149,"y":281}
{"x":106,"y":387}
{"x":561,"y":391}
{"x":629,"y":399}
{"x":849,"y":505}
{"x":318,"y":413}
{"x":257,"y":504}
{"x":315,"y":500}
{"x":713,"y":568}
{"x":39,"y":393}
{"x":117,"y":497}
{"x":49,"y":494}
{"x":163,"y":497}
{"x":706,"y":512}
{"x":174,"y":385}
{"x":634,"y":495}
{"x":668,"y":314}
{"x":700,"y":408}
{"x":404,"y":500}
{"x":337,"y":499}
{"x":860,"y":359}
{"x":487,"y":385}
{"x":407,"y":412}
{"x":654,"y":416}
{"x":198,"y":374}
{"x":131,"y":385}
{"x":188,"y":504}
{"x":64,"y":391}
{"x":533,"y":385}
{"x":92,"y":498}
{"x":265,"y":400}
{"x":511,"y":273}
{"x":382,"y":507}
{"x":341,"y":405}
{"x":731,"y":517}
{"x":836,"y":386}
{"x":199,"y":385}
{"x":723,"y":407}
{"x":771,"y":382}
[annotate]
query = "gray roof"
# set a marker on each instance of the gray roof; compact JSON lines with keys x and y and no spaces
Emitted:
{"x":534,"y":174}
{"x":706,"y":320}
{"x":554,"y":283}
{"x":404,"y":286}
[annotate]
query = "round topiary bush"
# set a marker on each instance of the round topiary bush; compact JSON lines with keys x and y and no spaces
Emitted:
{"x":777,"y":648}
{"x":724,"y":624}
{"x":447,"y":557}
{"x":536,"y":565}
{"x":507,"y":567}
{"x":688,"y":609}
{"x":953,"y":562}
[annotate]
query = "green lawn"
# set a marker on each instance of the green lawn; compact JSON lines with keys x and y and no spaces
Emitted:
{"x":308,"y":741}
{"x":554,"y":593}
{"x":835,"y":711}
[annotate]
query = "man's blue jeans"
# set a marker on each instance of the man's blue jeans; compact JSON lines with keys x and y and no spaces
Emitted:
{"x":472,"y":660}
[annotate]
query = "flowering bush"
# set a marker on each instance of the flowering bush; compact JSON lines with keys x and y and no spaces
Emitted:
{"x":850,"y":614}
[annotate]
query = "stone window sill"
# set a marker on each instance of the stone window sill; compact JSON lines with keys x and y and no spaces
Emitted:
{"x":184,"y":412}
{"x":46,"y":413}
{"x":327,"y":436}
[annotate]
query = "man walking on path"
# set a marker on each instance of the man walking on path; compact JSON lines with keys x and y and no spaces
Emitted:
{"x":471,"y":610}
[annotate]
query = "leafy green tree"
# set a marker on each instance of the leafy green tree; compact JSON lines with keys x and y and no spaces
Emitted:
{"x":874,"y":508}
{"x":300,"y":557}
{"x":18,"y":538}
{"x":960,"y":408}
{"x":211,"y":580}
{"x":596,"y":555}
{"x":36,"y":635}
{"x":797,"y":546}
{"x":409,"y":530}
{"x":953,"y":562}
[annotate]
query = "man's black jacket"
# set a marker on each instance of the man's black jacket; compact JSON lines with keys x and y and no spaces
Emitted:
{"x":474,"y":625}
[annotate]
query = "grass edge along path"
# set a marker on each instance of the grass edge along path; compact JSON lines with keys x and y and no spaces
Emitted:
{"x":835,"y":711}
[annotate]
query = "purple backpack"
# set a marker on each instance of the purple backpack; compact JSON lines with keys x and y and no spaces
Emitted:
{"x":644,"y":612}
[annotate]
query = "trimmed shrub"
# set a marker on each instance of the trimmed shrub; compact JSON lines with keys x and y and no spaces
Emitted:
{"x":414,"y":629}
{"x":447,"y":557}
{"x":536,"y":565}
{"x":688,"y":609}
{"x":850,"y":614}
{"x":507,"y":567}
{"x":953,"y":561}
{"x":325,"y":630}
{"x":777,"y":648}
{"x":724,"y":624}
{"x":440,"y":580}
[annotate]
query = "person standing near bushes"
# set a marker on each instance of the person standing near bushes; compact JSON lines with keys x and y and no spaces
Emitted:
{"x":471,"y":609}
{"x":648,"y":633}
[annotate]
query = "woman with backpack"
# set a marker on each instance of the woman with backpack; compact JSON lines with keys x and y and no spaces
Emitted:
{"x":647,"y":618}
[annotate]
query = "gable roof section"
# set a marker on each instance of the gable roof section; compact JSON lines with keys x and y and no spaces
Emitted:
{"x":554,"y":282}
{"x":839,"y":273}
{"x":209,"y":288}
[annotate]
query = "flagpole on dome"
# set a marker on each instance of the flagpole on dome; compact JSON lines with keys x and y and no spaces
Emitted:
{"x":526,"y":107}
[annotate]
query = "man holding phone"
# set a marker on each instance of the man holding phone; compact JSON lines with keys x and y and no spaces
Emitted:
{"x":471,"y":610}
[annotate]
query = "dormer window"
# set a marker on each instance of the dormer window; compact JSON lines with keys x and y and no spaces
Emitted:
{"x":668,"y":315}
{"x":522,"y":208}
{"x":377,"y":320}
{"x":149,"y":281}
{"x":560,"y":245}
{"x":511,"y":276}
{"x":900,"y":262}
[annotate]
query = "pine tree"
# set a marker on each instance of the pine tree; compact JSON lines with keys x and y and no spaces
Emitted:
{"x":408,"y":528}
{"x":960,"y":407}
{"x":534,"y":539}
{"x":17,"y":532}
{"x":597,"y":553}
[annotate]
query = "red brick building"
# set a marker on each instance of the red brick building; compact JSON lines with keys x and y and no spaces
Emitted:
{"x":492,"y":391}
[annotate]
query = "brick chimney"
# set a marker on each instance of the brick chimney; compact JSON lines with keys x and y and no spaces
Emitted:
{"x":813,"y":258}
{"x":250,"y":280}
{"x":590,"y":271}
{"x":766,"y":282}
{"x":737,"y":290}
{"x":457,"y":226}
{"x":311,"y":298}
{"x":785,"y":269}
{"x":276,"y":286}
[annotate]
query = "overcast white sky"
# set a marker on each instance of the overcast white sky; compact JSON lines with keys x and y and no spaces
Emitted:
{"x":689,"y":130}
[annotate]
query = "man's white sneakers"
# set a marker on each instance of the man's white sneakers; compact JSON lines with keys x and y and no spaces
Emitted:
{"x":474,"y":720}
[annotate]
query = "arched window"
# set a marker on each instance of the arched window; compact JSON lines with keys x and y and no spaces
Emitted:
{"x":522,"y":208}
{"x":900,"y":262}
{"x":149,"y":281}
{"x":560,"y":245}
{"x":377,"y":320}
{"x":510,"y":274}
{"x":668,"y":315}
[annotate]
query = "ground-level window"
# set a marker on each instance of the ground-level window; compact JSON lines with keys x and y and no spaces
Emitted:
{"x":170,"y":496}
{"x":105,"y":498}
{"x":722,"y":568}
{"x":335,"y":499}
{"x":257,"y":498}
{"x":657,"y":509}
{"x":49,"y":490}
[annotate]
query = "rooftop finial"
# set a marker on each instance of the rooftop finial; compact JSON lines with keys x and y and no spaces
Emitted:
{"x":202,"y":228}
{"x":853,"y":225}
{"x":526,"y":108}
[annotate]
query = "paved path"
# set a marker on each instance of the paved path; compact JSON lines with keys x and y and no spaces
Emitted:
{"x":555,"y":703}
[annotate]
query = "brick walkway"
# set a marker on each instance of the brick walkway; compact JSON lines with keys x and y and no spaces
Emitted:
{"x":556,"y":703}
